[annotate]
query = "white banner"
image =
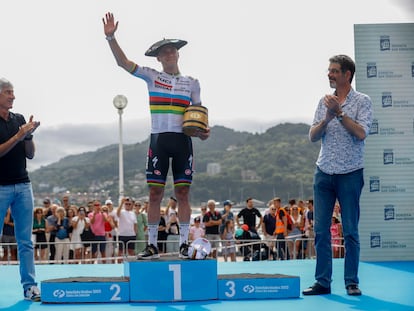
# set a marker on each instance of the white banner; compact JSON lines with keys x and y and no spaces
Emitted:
{"x":384,"y":56}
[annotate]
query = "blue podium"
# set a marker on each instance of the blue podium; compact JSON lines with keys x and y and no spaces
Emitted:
{"x":171,"y":279}
{"x":257,"y":286}
{"x":85,"y":289}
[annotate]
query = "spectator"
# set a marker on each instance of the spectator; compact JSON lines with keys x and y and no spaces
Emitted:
{"x":196,"y":231}
{"x":162,"y":232}
{"x":79,"y":223}
{"x":39,"y":232}
{"x":337,"y":211}
{"x":51,"y":228}
{"x":336,"y":237}
{"x":309,"y":233}
{"x":110,"y":227}
{"x":8,"y":236}
{"x":62,"y":236}
{"x":144,"y":208}
{"x":173,"y":231}
{"x":142,"y":225}
{"x":203,"y":211}
{"x":281,"y":230}
{"x":66,"y":202}
{"x":70,"y":213}
{"x":171,"y":208}
{"x":269,"y":227}
{"x":47,"y":207}
{"x":295,"y":235}
{"x":226,"y":214}
{"x":127,"y":226}
{"x":229,"y":247}
{"x":212,"y":221}
{"x":98,"y":219}
{"x":249,"y":215}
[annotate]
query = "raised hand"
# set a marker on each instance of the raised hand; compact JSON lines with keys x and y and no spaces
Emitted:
{"x":109,"y":25}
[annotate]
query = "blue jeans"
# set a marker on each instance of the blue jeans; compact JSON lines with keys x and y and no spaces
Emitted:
{"x":347,"y":189}
{"x":19,"y":198}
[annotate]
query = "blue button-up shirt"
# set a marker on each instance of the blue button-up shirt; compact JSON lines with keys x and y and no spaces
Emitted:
{"x":342,"y":152}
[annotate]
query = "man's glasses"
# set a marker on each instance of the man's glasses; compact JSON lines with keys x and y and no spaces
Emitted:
{"x":333,"y":70}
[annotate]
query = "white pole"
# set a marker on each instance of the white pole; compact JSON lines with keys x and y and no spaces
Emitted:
{"x":121,"y":158}
{"x":120,"y":102}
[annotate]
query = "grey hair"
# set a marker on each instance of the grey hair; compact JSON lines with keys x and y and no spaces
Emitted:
{"x":5,"y":83}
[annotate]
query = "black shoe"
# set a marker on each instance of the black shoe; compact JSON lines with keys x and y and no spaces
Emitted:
{"x":316,"y":289}
{"x":183,"y":251}
{"x":150,"y":252}
{"x":353,"y":290}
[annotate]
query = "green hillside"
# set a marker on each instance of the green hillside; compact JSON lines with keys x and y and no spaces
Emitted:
{"x":278,"y":162}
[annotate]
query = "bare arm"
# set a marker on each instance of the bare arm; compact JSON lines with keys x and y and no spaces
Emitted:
{"x":110,"y":27}
{"x":317,"y":131}
{"x":334,"y":109}
{"x":353,"y":127}
{"x":24,"y":132}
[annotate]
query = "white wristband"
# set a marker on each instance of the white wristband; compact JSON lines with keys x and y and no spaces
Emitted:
{"x":110,"y":38}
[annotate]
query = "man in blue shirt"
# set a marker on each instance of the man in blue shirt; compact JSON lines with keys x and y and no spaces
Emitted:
{"x":342,"y":121}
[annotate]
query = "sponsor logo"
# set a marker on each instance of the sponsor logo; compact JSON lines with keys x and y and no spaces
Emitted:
{"x":160,"y":85}
{"x":385,"y":43}
{"x":374,"y":184}
{"x":389,"y":212}
{"x":375,"y":239}
{"x":371,"y":70}
{"x":157,"y":172}
{"x":165,"y":81}
{"x":248,"y":289}
{"x":388,"y":156}
{"x":154,"y":162}
{"x":59,"y":293}
{"x":378,"y":242}
{"x":386,"y":99}
{"x":374,"y":127}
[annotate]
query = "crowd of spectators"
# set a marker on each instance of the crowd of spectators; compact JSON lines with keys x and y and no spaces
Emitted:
{"x":68,"y":233}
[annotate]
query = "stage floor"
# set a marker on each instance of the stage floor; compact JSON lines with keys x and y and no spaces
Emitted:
{"x":385,"y":286}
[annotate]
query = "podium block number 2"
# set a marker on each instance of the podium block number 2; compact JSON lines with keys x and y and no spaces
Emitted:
{"x":176,"y":270}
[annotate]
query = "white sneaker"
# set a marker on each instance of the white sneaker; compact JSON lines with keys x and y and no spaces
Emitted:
{"x":32,"y":293}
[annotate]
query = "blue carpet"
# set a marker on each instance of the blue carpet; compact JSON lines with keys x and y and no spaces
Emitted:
{"x":385,"y":286}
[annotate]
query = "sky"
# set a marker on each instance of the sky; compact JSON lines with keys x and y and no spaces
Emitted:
{"x":259,"y":63}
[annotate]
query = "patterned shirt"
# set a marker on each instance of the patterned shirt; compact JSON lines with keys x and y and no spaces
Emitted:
{"x":169,"y":95}
{"x":341,"y":152}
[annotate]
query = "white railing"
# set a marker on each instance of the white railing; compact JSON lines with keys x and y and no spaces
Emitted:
{"x":265,"y":249}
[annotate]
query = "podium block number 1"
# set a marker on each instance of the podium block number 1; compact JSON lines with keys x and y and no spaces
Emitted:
{"x":176,"y":270}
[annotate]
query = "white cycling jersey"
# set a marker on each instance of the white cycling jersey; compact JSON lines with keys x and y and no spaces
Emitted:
{"x":169,"y":95}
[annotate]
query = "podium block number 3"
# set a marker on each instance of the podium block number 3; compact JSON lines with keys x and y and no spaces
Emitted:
{"x":176,"y":270}
{"x":232,"y":289}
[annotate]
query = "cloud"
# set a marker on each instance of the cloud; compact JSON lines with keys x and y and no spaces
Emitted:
{"x":407,"y":5}
{"x":54,"y":143}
